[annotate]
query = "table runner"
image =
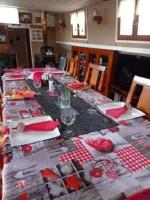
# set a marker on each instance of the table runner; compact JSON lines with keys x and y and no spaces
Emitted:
{"x":83,"y":120}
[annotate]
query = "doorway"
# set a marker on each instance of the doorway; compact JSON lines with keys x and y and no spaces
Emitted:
{"x":19,"y":42}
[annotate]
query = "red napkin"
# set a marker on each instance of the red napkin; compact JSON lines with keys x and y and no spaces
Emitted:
{"x":101,"y":144}
{"x":143,"y":195}
{"x":76,"y":85}
{"x":37,"y":76}
{"x":116,"y":112}
{"x":16,"y":76}
{"x":42,"y":126}
{"x":29,"y":95}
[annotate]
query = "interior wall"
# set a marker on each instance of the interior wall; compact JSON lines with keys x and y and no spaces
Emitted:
{"x":103,"y":33}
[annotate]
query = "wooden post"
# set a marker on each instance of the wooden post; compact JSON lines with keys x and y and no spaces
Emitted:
{"x":44,"y":24}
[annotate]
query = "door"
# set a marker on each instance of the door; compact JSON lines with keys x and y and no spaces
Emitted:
{"x":20,"y":46}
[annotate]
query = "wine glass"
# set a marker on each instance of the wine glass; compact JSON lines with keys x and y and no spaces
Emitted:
{"x":37,"y":85}
{"x":68,"y":117}
{"x":48,"y":68}
{"x":92,"y":102}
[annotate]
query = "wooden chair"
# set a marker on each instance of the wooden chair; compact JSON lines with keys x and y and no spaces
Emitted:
{"x":1,"y":105}
{"x":95,"y":76}
{"x":73,"y":68}
{"x":144,"y":98}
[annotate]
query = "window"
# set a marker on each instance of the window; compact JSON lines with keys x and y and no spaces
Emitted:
{"x":133,"y":20}
{"x":9,"y":15}
{"x":78,"y":22}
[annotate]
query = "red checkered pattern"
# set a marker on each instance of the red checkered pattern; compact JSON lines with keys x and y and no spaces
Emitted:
{"x":133,"y":158}
{"x":82,"y":154}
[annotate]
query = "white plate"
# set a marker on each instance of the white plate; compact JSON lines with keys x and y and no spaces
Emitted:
{"x":21,"y":138}
{"x":8,"y":78}
{"x":130,"y":114}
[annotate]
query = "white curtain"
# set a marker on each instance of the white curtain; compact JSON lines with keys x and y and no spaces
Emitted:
{"x":74,"y":23}
{"x":143,"y":10}
{"x":126,"y":14}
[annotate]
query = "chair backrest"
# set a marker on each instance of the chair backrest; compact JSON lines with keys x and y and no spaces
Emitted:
{"x":144,"y":98}
{"x":47,"y":50}
{"x":95,"y":76}
{"x":73,"y":68}
{"x":62,"y":63}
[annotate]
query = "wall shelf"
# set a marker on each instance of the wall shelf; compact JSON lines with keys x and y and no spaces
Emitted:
{"x":130,"y":50}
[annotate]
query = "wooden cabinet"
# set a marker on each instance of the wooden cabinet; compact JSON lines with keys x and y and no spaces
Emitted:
{"x":98,"y":56}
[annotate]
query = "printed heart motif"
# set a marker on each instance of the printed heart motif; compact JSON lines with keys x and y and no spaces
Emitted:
{"x":26,"y":148}
{"x":101,"y":144}
{"x":111,"y":175}
{"x":49,"y":173}
{"x":124,"y":123}
{"x":96,"y":172}
{"x":21,"y":184}
{"x":147,"y":147}
{"x":5,"y":131}
{"x":23,"y":196}
{"x":19,"y":175}
{"x":7,"y":159}
{"x":73,"y":182}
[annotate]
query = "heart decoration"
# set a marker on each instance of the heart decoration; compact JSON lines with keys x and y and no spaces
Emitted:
{"x":111,"y":175}
{"x":21,"y":184}
{"x":73,"y":182}
{"x":26,"y":148}
{"x":7,"y":159}
{"x":96,"y":172}
{"x":101,"y":144}
{"x":49,"y":173}
{"x":147,"y":147}
{"x":23,"y":196}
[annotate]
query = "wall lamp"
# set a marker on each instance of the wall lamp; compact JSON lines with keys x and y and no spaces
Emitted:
{"x":97,"y":16}
{"x":62,"y":21}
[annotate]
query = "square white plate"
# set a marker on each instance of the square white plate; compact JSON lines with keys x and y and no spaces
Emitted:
{"x":130,"y":114}
{"x":21,"y":138}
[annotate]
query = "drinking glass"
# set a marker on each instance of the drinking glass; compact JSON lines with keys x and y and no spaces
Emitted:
{"x":68,"y":117}
{"x":37,"y":85}
{"x":65,"y":99}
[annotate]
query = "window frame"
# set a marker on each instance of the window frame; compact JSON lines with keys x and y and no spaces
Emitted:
{"x":78,"y":36}
{"x":134,"y":36}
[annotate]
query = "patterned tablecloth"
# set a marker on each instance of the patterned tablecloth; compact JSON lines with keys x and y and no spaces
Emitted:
{"x":76,"y":168}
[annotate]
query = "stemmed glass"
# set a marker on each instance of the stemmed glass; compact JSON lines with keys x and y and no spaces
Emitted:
{"x":37,"y":85}
{"x":92,"y":102}
{"x":68,"y":117}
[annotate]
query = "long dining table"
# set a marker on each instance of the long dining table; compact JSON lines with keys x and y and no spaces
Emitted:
{"x":104,"y":160}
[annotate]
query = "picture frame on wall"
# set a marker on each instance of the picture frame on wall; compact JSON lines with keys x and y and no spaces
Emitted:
{"x":37,"y":35}
{"x":25,"y":18}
